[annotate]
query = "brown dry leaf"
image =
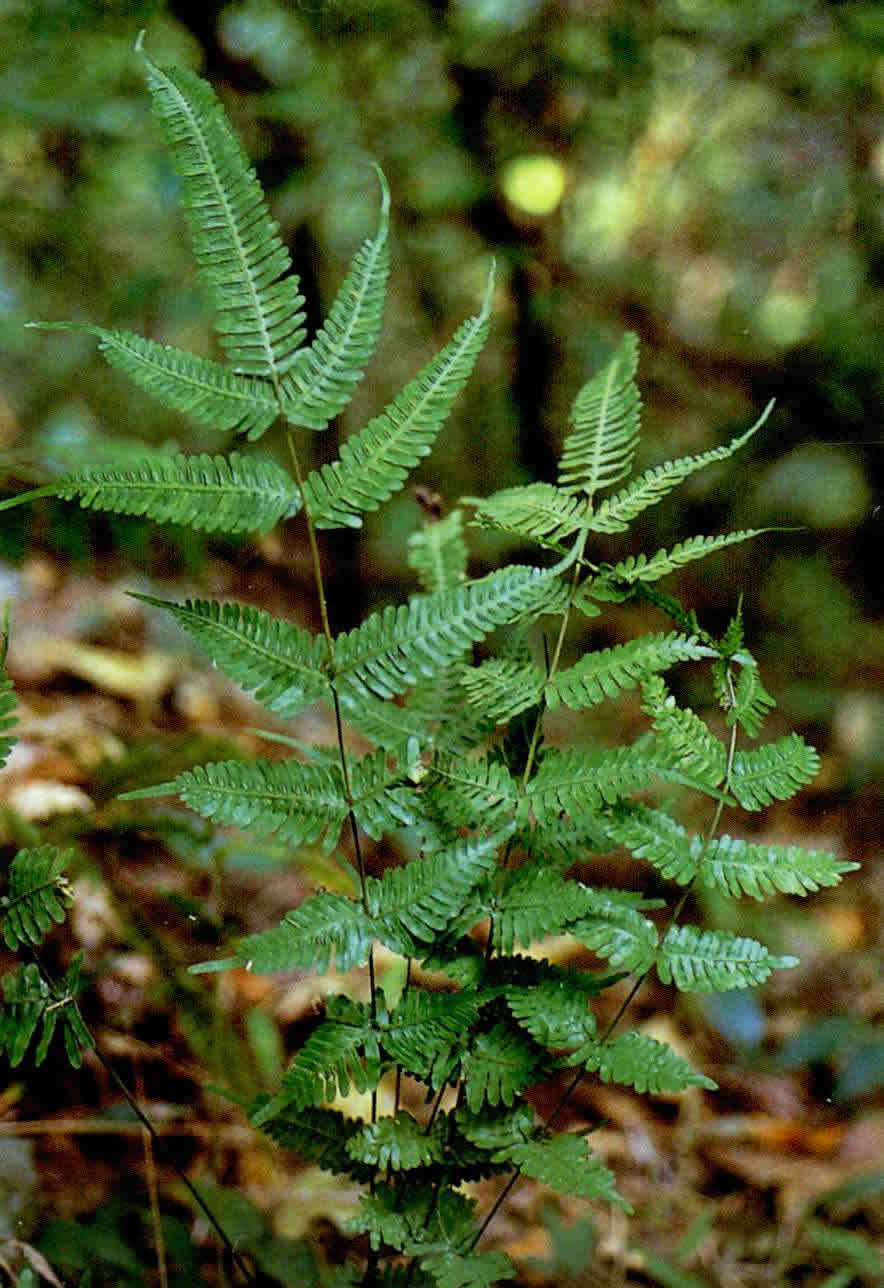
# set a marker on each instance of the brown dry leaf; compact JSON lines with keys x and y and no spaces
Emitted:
{"x":41,"y":799}
{"x":141,"y":677}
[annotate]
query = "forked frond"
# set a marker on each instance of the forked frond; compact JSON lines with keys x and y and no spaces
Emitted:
{"x":775,"y":771}
{"x":605,"y":673}
{"x":651,"y":568}
{"x":38,"y":895}
{"x":207,"y":392}
{"x":208,"y":493}
{"x":617,"y":512}
{"x":375,"y":462}
{"x":637,"y":1060}
{"x":536,"y":512}
{"x":279,"y":662}
{"x":437,"y":552}
{"x":598,"y":451}
{"x":501,"y":688}
{"x":320,"y":382}
{"x":712,"y":961}
{"x":395,"y":648}
{"x":241,"y":258}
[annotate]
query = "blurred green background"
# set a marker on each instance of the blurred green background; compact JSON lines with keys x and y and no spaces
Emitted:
{"x":706,"y":172}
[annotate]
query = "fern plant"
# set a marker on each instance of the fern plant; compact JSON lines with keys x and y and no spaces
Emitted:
{"x":459,"y":753}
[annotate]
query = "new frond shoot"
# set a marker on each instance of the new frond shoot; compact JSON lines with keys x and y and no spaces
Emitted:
{"x":458,"y":754}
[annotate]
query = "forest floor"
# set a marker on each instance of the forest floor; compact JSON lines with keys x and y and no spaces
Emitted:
{"x":776,"y":1178}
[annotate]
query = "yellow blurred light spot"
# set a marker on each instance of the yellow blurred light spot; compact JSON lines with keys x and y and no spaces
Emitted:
{"x":784,"y":317}
{"x":534,"y":184}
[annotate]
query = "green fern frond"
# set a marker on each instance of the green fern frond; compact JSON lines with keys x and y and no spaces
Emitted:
{"x":395,"y":648}
{"x":617,"y":512}
{"x":30,"y":1003}
{"x":498,"y":1066}
{"x":375,"y":462}
{"x":417,"y":1220}
{"x":426,"y":1032}
{"x":566,"y":1163}
{"x":383,"y":800}
{"x":208,"y":393}
{"x":277,"y":661}
{"x":750,"y":702}
{"x":554,"y":1007}
{"x":307,"y":937}
{"x":342,"y":1051}
{"x":534,"y":903}
{"x":580,"y":783}
{"x":433,"y":715}
{"x":598,"y":451}
{"x":536,"y":512}
{"x":606,"y":672}
{"x":318,"y":1136}
{"x":38,"y":895}
{"x":397,"y":1144}
{"x":501,"y":688}
{"x":651,"y":568}
{"x":437,"y":552}
{"x":737,"y":867}
{"x":464,"y":790}
{"x":8,"y":717}
{"x":682,"y":738}
{"x":636,"y":1060}
{"x":208,"y":493}
{"x":653,"y":835}
{"x":469,"y":1270}
{"x":712,"y":961}
{"x":320,"y":382}
{"x":302,"y":804}
{"x":241,"y":258}
{"x":615,"y":929}
{"x":775,"y":771}
{"x":411,"y":905}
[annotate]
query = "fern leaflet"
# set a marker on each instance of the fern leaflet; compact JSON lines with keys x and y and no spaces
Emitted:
{"x":599,"y":450}
{"x":437,"y":552}
{"x":773,"y":772}
{"x":208,"y":493}
{"x":499,"y":1064}
{"x":241,"y":257}
{"x":279,"y":662}
{"x":536,"y":511}
{"x":616,"y":513}
{"x":567,"y":1164}
{"x":643,"y":568}
{"x":606,"y":672}
{"x":636,"y":1060}
{"x":320,"y":382}
{"x":8,"y":717}
{"x":399,"y":1144}
{"x":307,"y":937}
{"x":375,"y":462}
{"x":208,"y":393}
{"x":38,"y":895}
{"x":616,"y":930}
{"x":712,"y":961}
{"x":501,"y":688}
